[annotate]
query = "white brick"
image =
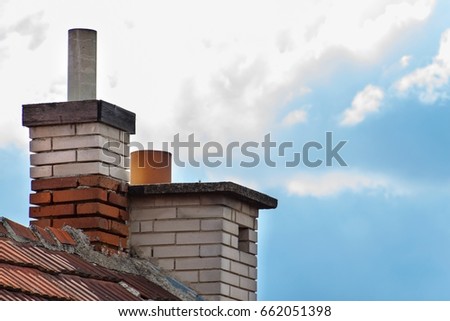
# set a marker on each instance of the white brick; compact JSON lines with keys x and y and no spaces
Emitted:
{"x":219,"y":275}
{"x":253,"y":211}
{"x":177,"y":225}
{"x":219,"y":250}
{"x":118,"y":147}
{"x":146,"y":226}
{"x":244,"y":219}
{"x":212,"y":288}
{"x":163,"y":200}
{"x":100,"y":155}
{"x":73,"y":142}
{"x":238,"y":293}
{"x":50,"y":158}
{"x":230,"y":253}
{"x":211,"y":275}
{"x":185,"y":200}
{"x":144,"y":251}
{"x":186,"y":276}
{"x":152,"y":239}
{"x":80,"y":169}
{"x":200,"y":263}
{"x":252,"y":273}
{"x":248,"y":247}
{"x":119,"y":173}
{"x":220,"y":224}
{"x":247,"y":284}
{"x":247,"y":258}
{"x":41,"y":171}
{"x":138,"y":214}
{"x":141,"y":201}
{"x":202,"y":237}
{"x":200,"y":212}
{"x":124,"y":137}
{"x":252,"y":296}
{"x":239,"y":268}
{"x":212,"y":225}
{"x":211,"y":250}
{"x":98,"y":128}
{"x":234,"y":242}
{"x":135,"y":227}
{"x":52,"y":131}
{"x":246,"y":234}
{"x":176,"y":251}
{"x":167,"y":264}
{"x":40,"y":145}
{"x":221,"y":200}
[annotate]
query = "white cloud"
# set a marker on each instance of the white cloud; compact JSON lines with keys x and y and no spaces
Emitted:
{"x":295,"y":117}
{"x":430,"y":82}
{"x":405,"y":60}
{"x":336,"y":182}
{"x":203,"y":68}
{"x":365,"y":102}
{"x":32,"y":26}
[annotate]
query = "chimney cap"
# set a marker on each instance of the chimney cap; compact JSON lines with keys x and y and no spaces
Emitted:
{"x":260,"y":200}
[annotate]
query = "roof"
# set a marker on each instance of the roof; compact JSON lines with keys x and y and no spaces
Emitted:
{"x":59,"y":264}
{"x":260,"y":200}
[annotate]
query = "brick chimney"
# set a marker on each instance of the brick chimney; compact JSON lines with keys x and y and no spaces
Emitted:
{"x":204,"y":233}
{"x":80,"y":154}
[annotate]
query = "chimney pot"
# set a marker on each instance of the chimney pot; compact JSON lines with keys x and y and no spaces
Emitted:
{"x":150,"y":167}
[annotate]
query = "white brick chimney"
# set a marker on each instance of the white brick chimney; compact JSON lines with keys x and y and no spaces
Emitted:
{"x":204,"y":233}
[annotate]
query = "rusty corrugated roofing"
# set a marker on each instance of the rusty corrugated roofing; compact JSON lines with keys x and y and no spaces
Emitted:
{"x":33,"y":268}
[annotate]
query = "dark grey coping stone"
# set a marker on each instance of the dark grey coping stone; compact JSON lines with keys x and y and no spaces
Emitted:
{"x":81,"y":111}
{"x":260,"y":200}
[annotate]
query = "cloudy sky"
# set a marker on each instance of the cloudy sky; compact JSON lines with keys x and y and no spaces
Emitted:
{"x":373,"y":73}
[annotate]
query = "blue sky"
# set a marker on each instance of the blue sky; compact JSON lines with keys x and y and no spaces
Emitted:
{"x":375,"y":74}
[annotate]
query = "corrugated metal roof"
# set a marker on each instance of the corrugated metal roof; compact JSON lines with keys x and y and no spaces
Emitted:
{"x":29,"y":271}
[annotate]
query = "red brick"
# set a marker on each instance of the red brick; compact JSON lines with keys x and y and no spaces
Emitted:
{"x":54,"y":183}
{"x":22,"y":231}
{"x":100,"y":181}
{"x":118,"y":228}
{"x":52,"y":210}
{"x":124,"y":215}
{"x":80,"y":194}
{"x":62,"y":236}
{"x":41,"y":198}
{"x":82,"y":222}
{"x":98,"y":208}
{"x":44,"y":234}
{"x":117,"y":199}
{"x":106,"y":238}
{"x":42,"y":223}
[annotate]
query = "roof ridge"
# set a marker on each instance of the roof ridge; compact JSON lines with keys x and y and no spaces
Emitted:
{"x":74,"y":241}
{"x":49,"y":237}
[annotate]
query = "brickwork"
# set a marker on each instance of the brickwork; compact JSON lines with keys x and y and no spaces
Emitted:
{"x":79,"y":149}
{"x":79,"y":168}
{"x":207,"y":241}
{"x":97,"y":204}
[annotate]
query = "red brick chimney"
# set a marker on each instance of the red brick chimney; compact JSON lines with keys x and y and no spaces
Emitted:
{"x":80,"y":155}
